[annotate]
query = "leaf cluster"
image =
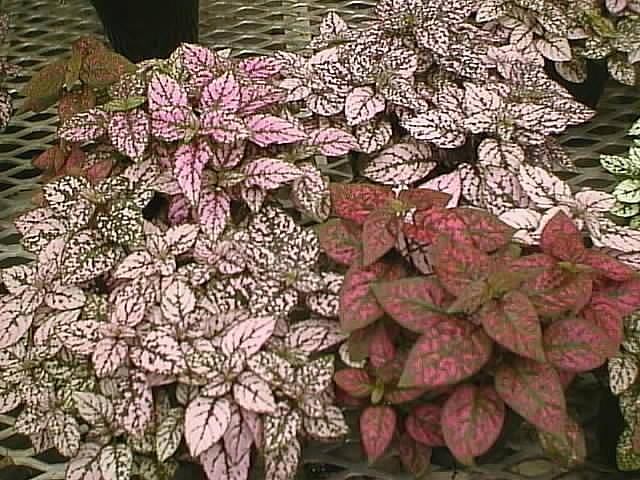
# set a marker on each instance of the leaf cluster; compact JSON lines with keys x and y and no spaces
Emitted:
{"x":131,"y":344}
{"x":570,"y":33}
{"x":627,"y":170}
{"x":492,"y":325}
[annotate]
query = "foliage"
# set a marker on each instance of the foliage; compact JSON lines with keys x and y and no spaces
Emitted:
{"x":492,"y":322}
{"x":181,"y":308}
{"x":623,"y":380}
{"x":570,"y":33}
{"x":425,"y":91}
{"x":76,"y":83}
{"x":627,"y":169}
{"x":6,"y":71}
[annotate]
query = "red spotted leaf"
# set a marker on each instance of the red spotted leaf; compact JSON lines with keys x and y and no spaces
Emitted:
{"x":624,"y":297}
{"x":377,"y":426}
{"x":605,"y":316}
{"x":458,"y":266}
{"x":356,"y":201}
{"x":354,"y":381}
{"x":381,"y":348}
{"x":379,"y":235}
{"x":423,"y":198}
{"x":358,"y":343}
{"x":513,"y":322}
{"x":358,"y":306}
{"x":472,"y":419}
{"x":489,"y":233}
{"x":341,"y":240}
{"x":608,"y":266}
{"x":577,"y":345}
{"x":559,"y":292}
{"x":534,"y":391}
{"x":414,"y":456}
{"x":403,"y":395}
{"x":423,"y":425}
{"x":428,"y":225}
{"x":448,"y":353}
{"x":562,"y":239}
{"x":415,"y":303}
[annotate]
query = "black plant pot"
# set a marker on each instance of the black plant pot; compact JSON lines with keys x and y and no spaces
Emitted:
{"x":143,"y":29}
{"x":588,"y":92}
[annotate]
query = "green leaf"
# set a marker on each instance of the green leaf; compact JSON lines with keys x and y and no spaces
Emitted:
{"x":72,"y":74}
{"x":569,"y":449}
{"x":626,"y":456}
{"x":45,"y":87}
{"x":618,"y":165}
{"x":103,"y":67}
{"x":123,"y":104}
{"x":625,"y":210}
{"x":628,"y":191}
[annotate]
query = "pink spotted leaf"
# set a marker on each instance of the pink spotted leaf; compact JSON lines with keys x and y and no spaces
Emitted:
{"x":362,"y":104}
{"x":206,"y":421}
{"x":190,"y":160}
{"x":268,"y":129}
{"x":270,"y":173}
{"x":223,"y":94}
{"x":214,"y":211}
{"x":333,"y":142}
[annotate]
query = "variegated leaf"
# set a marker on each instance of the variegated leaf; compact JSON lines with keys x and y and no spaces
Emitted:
{"x":169,"y":432}
{"x":401,"y":164}
{"x":254,"y":394}
{"x":362,"y":104}
{"x":178,"y":300}
{"x":206,"y":421}
{"x":95,"y":409}
{"x":270,"y":173}
{"x":116,"y":462}
{"x":86,"y":464}
{"x":14,"y":320}
{"x":248,"y":335}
